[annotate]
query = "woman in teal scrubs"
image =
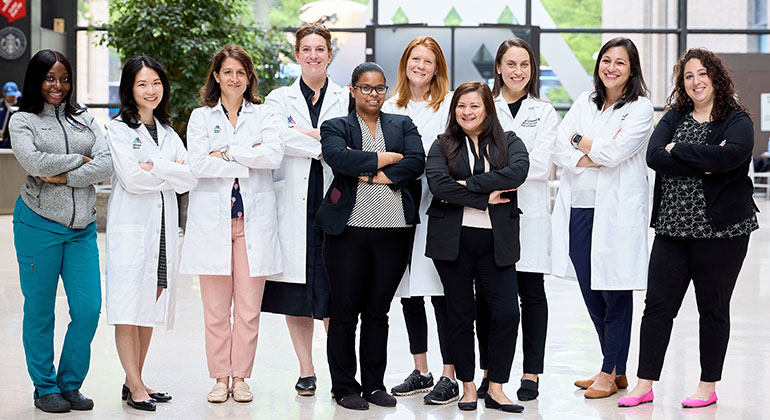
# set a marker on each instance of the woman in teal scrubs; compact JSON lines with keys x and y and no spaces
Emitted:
{"x":64,"y":153}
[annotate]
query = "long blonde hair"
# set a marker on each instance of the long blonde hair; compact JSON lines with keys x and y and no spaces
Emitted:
{"x":439,"y":86}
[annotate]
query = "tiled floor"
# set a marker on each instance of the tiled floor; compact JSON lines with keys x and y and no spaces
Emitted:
{"x":176,"y":363}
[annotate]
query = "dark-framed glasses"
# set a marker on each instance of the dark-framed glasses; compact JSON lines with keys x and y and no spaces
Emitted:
{"x":367,"y":89}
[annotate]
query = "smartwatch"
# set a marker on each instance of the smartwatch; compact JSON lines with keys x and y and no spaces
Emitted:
{"x":223,"y":151}
{"x":575,"y":140}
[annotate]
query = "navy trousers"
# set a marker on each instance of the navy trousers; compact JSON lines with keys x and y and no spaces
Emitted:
{"x":610,"y":310}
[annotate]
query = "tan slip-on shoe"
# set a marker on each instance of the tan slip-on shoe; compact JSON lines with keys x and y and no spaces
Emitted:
{"x":592,"y":393}
{"x":584,"y":383}
{"x":219,"y":393}
{"x":621,"y":381}
{"x":241,"y":392}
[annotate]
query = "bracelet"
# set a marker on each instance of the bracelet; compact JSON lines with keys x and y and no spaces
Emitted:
{"x":223,"y":151}
{"x":575,"y":140}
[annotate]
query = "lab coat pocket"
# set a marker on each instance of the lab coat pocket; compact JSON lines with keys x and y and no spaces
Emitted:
{"x":630,"y":207}
{"x":125,"y":245}
{"x":280,"y":196}
{"x":206,"y":210}
{"x":264,"y":203}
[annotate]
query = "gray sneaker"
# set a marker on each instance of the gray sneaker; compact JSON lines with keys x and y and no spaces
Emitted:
{"x":445,"y":392}
{"x":414,"y":383}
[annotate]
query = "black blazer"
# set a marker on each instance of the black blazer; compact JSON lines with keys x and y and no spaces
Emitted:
{"x":728,"y":188}
{"x":445,"y":214}
{"x":341,"y":148}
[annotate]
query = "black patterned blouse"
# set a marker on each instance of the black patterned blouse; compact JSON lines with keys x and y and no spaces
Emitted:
{"x":683,"y":204}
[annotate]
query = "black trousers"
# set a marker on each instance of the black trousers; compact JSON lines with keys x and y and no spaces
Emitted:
{"x":611,"y":311}
{"x":534,"y":322}
{"x":364,"y":267}
{"x":417,"y":325}
{"x":498,"y":284}
{"x":713,"y":265}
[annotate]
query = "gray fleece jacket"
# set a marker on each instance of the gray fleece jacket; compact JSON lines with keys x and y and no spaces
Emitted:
{"x":48,"y":144}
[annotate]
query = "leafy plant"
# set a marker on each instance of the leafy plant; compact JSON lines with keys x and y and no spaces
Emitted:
{"x":183,"y":35}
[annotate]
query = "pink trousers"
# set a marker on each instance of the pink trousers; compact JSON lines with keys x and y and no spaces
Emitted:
{"x":230,"y":347}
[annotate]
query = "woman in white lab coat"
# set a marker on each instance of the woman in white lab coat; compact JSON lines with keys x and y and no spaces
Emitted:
{"x":150,"y":169}
{"x":520,"y":110}
{"x":422,"y":93}
{"x":231,"y":240}
{"x":301,"y":292}
{"x":600,"y":216}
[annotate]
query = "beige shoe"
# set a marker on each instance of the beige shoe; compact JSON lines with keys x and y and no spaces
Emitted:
{"x":241,"y":392}
{"x":219,"y":393}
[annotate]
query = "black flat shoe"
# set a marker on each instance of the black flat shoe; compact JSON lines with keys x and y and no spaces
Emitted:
{"x":508,"y":408}
{"x":306,"y":386}
{"x":353,"y":402}
{"x":52,"y":403}
{"x":467,"y":406}
{"x":381,"y":398}
{"x":161,"y":397}
{"x":481,"y":392}
{"x":148,"y":405}
{"x":528,"y":390}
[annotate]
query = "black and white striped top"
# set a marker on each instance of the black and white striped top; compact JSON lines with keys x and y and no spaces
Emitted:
{"x":377,"y":205}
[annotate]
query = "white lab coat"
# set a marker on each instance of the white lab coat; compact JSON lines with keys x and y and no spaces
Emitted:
{"x":207,"y":246}
{"x":133,"y":223}
{"x":619,"y":237}
{"x":421,"y":277}
{"x":291,"y":179}
{"x":536,"y":125}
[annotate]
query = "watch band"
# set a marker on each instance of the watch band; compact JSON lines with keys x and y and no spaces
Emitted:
{"x":575,"y":140}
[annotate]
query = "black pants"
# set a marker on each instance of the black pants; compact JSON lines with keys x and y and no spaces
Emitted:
{"x":417,"y":325}
{"x":611,"y":310}
{"x":364,"y":267}
{"x":713,"y":265}
{"x":476,"y":260}
{"x":534,"y":322}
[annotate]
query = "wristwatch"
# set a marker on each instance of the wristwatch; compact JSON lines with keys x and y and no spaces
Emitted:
{"x":223,"y":151}
{"x":575,"y":139}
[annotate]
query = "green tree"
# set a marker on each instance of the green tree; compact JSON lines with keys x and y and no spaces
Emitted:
{"x":578,"y":14}
{"x":183,"y":35}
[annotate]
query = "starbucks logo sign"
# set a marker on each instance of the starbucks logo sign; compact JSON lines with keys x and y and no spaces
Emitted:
{"x":13,"y":43}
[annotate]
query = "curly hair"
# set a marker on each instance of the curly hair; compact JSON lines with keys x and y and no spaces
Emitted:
{"x":725,"y":97}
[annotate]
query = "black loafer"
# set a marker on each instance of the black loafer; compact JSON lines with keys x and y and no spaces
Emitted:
{"x":52,"y":403}
{"x":353,"y":402}
{"x":467,"y":406}
{"x":481,"y":392}
{"x":148,"y":405}
{"x":161,"y":397}
{"x":381,"y":398}
{"x":77,"y":400}
{"x":508,"y":408}
{"x":528,"y":390}
{"x":306,"y":386}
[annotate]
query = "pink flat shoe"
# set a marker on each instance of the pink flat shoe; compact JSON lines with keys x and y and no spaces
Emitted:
{"x":696,"y":403}
{"x":634,"y":401}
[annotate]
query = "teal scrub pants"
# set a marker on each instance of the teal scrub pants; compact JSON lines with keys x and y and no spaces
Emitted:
{"x":46,"y":250}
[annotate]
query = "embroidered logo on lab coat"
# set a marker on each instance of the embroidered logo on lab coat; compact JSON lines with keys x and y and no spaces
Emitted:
{"x":292,"y":123}
{"x":137,"y":143}
{"x":531,"y":122}
{"x":217,"y":129}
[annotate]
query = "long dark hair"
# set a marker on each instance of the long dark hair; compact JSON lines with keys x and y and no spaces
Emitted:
{"x":32,"y":95}
{"x":360,"y":69}
{"x":128,"y":109}
{"x":534,"y":78}
{"x":492,"y":133}
{"x":210,"y":92}
{"x":635,"y":86}
{"x":725,"y":98}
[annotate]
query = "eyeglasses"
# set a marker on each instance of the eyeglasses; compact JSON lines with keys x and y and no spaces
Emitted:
{"x":367,"y":90}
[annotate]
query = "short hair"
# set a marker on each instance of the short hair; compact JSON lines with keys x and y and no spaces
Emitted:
{"x":210,"y":92}
{"x":534,"y":79}
{"x":439,"y":85}
{"x":129,"y":112}
{"x":725,"y":97}
{"x":312,"y":29}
